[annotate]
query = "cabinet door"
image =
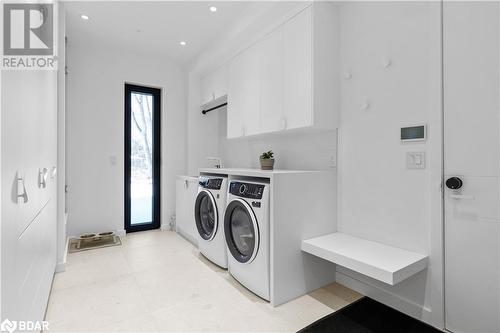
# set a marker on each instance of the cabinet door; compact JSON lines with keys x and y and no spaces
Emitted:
{"x":219,"y":82}
{"x":214,"y":85}
{"x":29,"y":144}
{"x":186,"y":192}
{"x":235,"y":99}
{"x":243,"y":117}
{"x":297,"y":62}
{"x":271,"y":76}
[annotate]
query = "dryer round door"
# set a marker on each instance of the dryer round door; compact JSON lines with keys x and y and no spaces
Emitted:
{"x":241,"y":231}
{"x":206,"y":215}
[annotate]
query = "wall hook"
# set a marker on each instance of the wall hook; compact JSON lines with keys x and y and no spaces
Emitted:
{"x":21,"y":188}
{"x":365,"y":105}
{"x":387,"y":63}
{"x":42,"y":177}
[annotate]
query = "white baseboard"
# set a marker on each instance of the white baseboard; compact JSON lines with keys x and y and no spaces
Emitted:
{"x":121,"y":233}
{"x":61,"y":266}
{"x":397,"y":302}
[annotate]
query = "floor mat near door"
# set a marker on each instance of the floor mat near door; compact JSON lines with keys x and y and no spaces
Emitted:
{"x":368,"y":316}
{"x":77,"y":245}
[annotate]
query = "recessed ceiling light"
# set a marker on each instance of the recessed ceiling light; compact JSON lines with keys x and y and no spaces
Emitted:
{"x":183,"y":43}
{"x":213,"y":9}
{"x":84,"y":17}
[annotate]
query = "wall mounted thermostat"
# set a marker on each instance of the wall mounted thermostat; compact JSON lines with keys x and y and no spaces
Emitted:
{"x":414,"y":133}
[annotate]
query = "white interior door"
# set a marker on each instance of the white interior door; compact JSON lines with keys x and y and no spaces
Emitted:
{"x":472,"y":151}
{"x":28,"y":224}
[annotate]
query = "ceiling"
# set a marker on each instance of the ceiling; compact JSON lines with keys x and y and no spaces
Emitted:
{"x":154,"y":27}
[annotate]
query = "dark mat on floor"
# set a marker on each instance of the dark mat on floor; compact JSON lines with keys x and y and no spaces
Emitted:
{"x":368,"y":316}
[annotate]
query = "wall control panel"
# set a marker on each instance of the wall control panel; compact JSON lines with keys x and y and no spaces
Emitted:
{"x":247,"y":190}
{"x":210,"y":183}
{"x":414,"y":133}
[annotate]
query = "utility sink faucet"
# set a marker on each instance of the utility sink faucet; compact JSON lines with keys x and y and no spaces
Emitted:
{"x":217,"y":160}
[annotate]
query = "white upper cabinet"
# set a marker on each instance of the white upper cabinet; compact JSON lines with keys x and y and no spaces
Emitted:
{"x":244,"y":94}
{"x":297,"y":62}
{"x":271,"y":82}
{"x":288,"y":79}
{"x":214,"y":85}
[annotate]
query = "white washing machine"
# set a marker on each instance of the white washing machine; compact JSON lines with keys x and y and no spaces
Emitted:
{"x":209,"y":211}
{"x":247,"y":229}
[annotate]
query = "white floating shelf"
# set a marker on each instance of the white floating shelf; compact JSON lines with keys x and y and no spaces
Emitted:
{"x":382,"y":262}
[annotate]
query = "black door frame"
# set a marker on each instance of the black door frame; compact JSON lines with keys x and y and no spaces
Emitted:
{"x":156,"y":93}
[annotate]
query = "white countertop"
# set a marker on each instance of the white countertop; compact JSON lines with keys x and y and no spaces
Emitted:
{"x":252,"y":172}
{"x":186,"y":177}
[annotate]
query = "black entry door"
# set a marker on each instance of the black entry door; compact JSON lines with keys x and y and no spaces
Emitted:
{"x":142,"y":158}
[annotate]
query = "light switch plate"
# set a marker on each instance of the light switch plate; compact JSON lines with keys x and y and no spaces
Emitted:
{"x":415,"y":160}
{"x":333,"y":161}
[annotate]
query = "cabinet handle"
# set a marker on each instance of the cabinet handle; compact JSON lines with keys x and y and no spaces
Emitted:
{"x":283,"y":123}
{"x":243,"y":131}
{"x":21,"y":188}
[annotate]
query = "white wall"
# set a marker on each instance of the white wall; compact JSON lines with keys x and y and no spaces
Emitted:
{"x":379,"y":199}
{"x":201,"y":130}
{"x":297,"y":150}
{"x":94,"y":127}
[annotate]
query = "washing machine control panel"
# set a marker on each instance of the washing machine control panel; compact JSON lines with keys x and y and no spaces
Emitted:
{"x":210,"y":183}
{"x":247,"y":190}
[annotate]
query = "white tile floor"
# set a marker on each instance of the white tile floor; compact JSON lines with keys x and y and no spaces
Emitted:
{"x":158,"y":282}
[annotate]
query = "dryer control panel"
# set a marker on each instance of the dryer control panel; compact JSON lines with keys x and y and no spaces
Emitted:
{"x":210,"y":183}
{"x":247,"y":190}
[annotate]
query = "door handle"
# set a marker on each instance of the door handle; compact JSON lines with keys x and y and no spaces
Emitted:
{"x":454,"y":183}
{"x":462,"y":196}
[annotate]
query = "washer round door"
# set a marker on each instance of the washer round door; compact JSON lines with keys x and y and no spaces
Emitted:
{"x":241,"y":231}
{"x":206,"y":215}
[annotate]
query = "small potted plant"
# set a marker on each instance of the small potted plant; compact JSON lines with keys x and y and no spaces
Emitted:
{"x":267,"y":160}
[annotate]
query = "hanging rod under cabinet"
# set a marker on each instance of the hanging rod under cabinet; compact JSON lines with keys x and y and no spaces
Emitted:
{"x":214,"y":108}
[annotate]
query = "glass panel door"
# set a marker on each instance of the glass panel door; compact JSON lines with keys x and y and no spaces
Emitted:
{"x":142,"y":140}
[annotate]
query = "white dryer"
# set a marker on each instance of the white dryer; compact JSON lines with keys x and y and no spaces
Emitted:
{"x":247,"y":229}
{"x":209,"y":210}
